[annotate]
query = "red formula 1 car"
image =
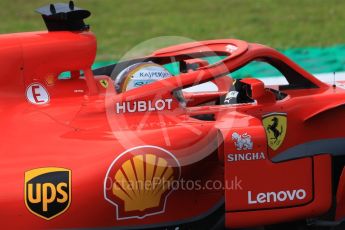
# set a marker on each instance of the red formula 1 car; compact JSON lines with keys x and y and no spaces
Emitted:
{"x":135,"y":146}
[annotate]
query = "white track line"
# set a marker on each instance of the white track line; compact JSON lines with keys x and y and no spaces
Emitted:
{"x":278,"y":80}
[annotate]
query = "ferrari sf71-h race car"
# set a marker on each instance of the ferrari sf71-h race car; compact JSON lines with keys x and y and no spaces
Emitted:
{"x":141,"y":145}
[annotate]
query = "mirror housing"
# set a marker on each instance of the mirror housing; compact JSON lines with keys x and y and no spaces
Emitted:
{"x":257,"y":91}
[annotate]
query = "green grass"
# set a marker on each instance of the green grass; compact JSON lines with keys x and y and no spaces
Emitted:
{"x":121,"y":25}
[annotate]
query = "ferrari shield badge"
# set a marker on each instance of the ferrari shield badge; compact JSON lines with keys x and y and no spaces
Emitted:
{"x":47,"y":191}
{"x":275,"y":125}
{"x":104,"y":83}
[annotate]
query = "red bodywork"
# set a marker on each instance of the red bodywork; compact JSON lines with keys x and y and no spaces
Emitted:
{"x":83,"y":128}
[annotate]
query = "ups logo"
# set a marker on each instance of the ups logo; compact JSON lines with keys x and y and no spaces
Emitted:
{"x":48,"y":191}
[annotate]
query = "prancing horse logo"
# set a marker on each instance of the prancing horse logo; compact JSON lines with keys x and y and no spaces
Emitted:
{"x":275,"y":125}
{"x":274,"y":128}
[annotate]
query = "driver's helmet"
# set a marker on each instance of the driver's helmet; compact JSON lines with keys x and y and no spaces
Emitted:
{"x":139,"y":74}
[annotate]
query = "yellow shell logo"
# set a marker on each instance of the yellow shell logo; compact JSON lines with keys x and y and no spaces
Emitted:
{"x":140,"y":180}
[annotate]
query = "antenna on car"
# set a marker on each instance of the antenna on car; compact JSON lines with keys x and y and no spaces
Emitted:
{"x":334,"y":84}
{"x":52,"y":9}
{"x":71,"y":5}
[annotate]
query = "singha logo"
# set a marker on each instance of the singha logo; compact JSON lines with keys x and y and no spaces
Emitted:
{"x":242,"y":142}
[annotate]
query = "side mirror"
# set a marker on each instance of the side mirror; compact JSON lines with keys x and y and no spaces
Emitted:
{"x":257,"y":91}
